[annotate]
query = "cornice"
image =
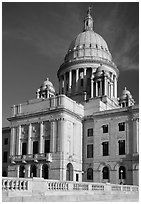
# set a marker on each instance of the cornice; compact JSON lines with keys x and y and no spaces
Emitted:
{"x":43,"y":113}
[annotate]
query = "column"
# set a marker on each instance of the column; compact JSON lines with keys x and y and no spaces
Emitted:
{"x":85,"y":79}
{"x":12,"y":141}
{"x":135,"y":135}
{"x":65,"y":84}
{"x":77,"y":78}
{"x":70,"y":80}
{"x":18,"y":170}
{"x":96,"y":86}
{"x":29,"y":139}
{"x":105,"y":85}
{"x":18,"y":143}
{"x":112,"y":90}
{"x":115,"y":87}
{"x":41,"y":137}
{"x":92,"y":89}
{"x":39,"y":170}
{"x":27,"y":168}
{"x":53,"y":137}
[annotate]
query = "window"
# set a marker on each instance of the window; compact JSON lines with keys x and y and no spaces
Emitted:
{"x":121,"y":126}
{"x":35,"y":147}
{"x":90,"y":174}
{"x":105,"y":148}
{"x":6,"y":141}
{"x":105,"y":173}
{"x":47,"y":146}
{"x":5,"y":154}
{"x":90,"y":151}
{"x":90,"y":132}
{"x":77,"y":177}
{"x":105,"y":128}
{"x":24,"y":148}
{"x":121,"y":147}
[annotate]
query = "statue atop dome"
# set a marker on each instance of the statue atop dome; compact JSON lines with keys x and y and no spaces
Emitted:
{"x":89,"y":10}
{"x":88,"y":21}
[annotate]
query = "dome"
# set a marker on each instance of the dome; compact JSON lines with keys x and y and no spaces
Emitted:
{"x":88,"y":44}
{"x":47,"y":85}
{"x":126,"y":94}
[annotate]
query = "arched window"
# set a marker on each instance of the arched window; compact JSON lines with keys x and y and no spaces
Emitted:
{"x":69,"y":173}
{"x":33,"y":172}
{"x":90,"y":174}
{"x":22,"y":171}
{"x":122,"y":172}
{"x":105,"y":173}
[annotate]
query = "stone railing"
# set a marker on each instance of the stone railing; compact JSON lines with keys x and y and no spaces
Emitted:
{"x":30,"y":157}
{"x":86,"y":186}
{"x":14,"y":184}
{"x":43,"y":185}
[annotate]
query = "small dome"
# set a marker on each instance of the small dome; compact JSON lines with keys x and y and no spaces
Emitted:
{"x":126,"y":94}
{"x":47,"y":85}
{"x":99,"y":71}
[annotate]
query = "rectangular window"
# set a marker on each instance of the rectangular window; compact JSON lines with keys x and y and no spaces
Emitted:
{"x":6,"y":141}
{"x":77,"y":177}
{"x":105,"y":148}
{"x":5,"y":154}
{"x":90,"y":151}
{"x":90,"y":132}
{"x":35,"y":147}
{"x":121,"y":126}
{"x":24,"y":148}
{"x":121,"y":147}
{"x":47,"y":146}
{"x":105,"y":128}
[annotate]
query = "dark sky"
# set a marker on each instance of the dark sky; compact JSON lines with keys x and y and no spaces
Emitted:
{"x":36,"y":36}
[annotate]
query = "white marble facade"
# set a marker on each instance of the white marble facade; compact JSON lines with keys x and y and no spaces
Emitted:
{"x":86,"y":133}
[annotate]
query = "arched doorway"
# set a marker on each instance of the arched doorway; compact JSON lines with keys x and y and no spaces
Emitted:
{"x":45,"y":171}
{"x":22,"y":171}
{"x":33,"y":172}
{"x":122,"y":174}
{"x":69,"y":172}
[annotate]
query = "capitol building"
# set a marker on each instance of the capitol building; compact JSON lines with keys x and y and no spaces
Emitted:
{"x":86,"y":132}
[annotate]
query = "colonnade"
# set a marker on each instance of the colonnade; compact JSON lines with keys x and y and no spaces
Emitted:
{"x":17,"y":137}
{"x":70,"y":82}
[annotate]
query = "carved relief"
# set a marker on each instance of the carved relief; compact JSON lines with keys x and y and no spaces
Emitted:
{"x":24,"y":132}
{"x":35,"y":131}
{"x":47,"y":129}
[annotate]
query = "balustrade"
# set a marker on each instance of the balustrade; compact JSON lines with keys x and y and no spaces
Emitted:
{"x":14,"y":184}
{"x":97,"y":187}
